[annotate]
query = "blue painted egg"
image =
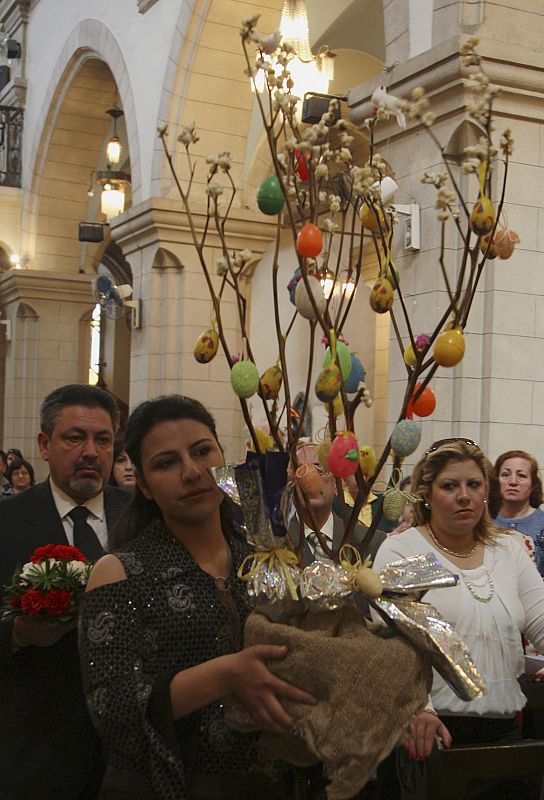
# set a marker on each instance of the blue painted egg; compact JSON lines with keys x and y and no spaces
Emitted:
{"x":406,"y":437}
{"x":356,"y":375}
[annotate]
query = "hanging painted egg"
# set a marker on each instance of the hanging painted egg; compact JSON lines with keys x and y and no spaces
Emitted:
{"x":296,"y":277}
{"x":244,"y":378}
{"x":488,"y":250}
{"x":322,"y":452}
{"x":356,"y":376}
{"x":505,"y":241}
{"x":344,"y":455}
{"x":393,"y":504}
{"x":337,"y":406}
{"x":482,"y":216}
{"x":425,"y":403}
{"x":368,"y":582}
{"x":206,"y":346}
{"x":367,"y":460}
{"x":372,"y":218}
{"x":328,"y":383}
{"x":270,"y":383}
{"x":302,"y":298}
{"x":409,"y":356}
{"x":309,"y":241}
{"x":405,"y":438}
{"x":270,"y":198}
{"x":344,"y":357}
{"x":301,"y":166}
{"x":449,"y":348}
{"x":381,"y":296}
{"x":310,"y":480}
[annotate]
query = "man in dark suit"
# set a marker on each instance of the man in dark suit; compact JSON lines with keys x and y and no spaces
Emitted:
{"x":49,"y":747}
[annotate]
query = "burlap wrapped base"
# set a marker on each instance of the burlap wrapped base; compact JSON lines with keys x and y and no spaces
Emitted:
{"x":367,"y":686}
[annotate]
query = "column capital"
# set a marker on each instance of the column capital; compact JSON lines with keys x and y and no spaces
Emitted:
{"x":31,"y":285}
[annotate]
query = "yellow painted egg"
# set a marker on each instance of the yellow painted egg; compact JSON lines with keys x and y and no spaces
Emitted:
{"x":372,"y":218}
{"x":322,"y":453}
{"x":206,"y":346}
{"x":328,"y":383}
{"x":381,"y":296}
{"x":482,"y":216}
{"x":409,"y":356}
{"x":368,"y":582}
{"x":270,"y":383}
{"x":337,"y":406}
{"x":449,"y":348}
{"x":302,"y":298}
{"x":487,"y":249}
{"x":244,"y":378}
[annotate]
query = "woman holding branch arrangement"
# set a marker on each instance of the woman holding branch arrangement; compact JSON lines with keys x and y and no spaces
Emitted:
{"x":162,"y":621}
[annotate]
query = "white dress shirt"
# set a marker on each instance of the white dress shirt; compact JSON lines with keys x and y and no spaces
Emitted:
{"x":313,"y":542}
{"x":96,"y":518}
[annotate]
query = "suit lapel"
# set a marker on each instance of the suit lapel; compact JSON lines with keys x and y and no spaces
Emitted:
{"x":42,"y":522}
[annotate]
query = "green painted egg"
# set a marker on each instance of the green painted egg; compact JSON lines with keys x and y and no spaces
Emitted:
{"x":244,"y":378}
{"x":406,"y":437}
{"x":344,"y":357}
{"x":328,"y":383}
{"x":206,"y":346}
{"x":270,"y":198}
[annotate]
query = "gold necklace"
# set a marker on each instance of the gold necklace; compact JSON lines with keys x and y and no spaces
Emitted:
{"x":447,"y":550}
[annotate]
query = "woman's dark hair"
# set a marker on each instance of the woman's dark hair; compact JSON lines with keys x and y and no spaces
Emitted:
{"x":14,"y":452}
{"x":141,"y":511}
{"x":118,"y":448}
{"x":16,"y":464}
{"x":536,"y":496}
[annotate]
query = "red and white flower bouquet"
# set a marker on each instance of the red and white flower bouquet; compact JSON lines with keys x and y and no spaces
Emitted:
{"x":49,"y":585}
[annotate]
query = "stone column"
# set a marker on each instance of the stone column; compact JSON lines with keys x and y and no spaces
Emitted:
{"x":495,"y":394}
{"x":176,"y":307}
{"x":49,"y":346}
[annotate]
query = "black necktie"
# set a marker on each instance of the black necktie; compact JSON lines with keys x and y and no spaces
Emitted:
{"x":85,"y":539}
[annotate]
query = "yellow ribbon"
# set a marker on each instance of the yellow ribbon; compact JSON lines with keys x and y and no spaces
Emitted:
{"x":279,"y":558}
{"x":482,"y":173}
{"x":346,"y":554}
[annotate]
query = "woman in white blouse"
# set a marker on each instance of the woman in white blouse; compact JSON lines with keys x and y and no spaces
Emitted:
{"x":499,"y":595}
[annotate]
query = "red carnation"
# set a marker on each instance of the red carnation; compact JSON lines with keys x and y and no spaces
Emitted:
{"x":62,"y":552}
{"x":57,"y":601}
{"x":32,"y":602}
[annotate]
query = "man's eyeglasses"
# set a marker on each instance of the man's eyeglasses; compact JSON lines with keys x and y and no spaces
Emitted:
{"x":442,"y":442}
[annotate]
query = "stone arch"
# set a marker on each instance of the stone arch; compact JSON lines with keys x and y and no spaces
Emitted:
{"x":166,"y":259}
{"x":89,"y":41}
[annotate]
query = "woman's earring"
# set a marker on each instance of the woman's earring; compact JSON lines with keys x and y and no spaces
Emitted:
{"x":426,"y":504}
{"x":485,"y":502}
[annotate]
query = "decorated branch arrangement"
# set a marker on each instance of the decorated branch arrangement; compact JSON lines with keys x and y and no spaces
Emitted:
{"x":337,"y":212}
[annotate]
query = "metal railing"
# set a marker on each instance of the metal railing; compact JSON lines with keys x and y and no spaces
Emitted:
{"x":11,"y":137}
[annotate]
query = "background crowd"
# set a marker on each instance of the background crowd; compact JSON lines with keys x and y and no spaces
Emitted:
{"x":135,"y":710}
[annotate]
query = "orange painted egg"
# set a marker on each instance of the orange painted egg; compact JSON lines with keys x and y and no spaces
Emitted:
{"x":344,"y":455}
{"x":482,"y":216}
{"x":449,"y":348}
{"x":425,"y":403}
{"x":270,"y":383}
{"x":206,"y":346}
{"x":381,"y":296}
{"x":244,"y":378}
{"x":504,"y":243}
{"x":309,"y":479}
{"x":328,"y":383}
{"x":309,"y":241}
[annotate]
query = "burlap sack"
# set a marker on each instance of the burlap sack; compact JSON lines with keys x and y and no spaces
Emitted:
{"x":367,"y":686}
